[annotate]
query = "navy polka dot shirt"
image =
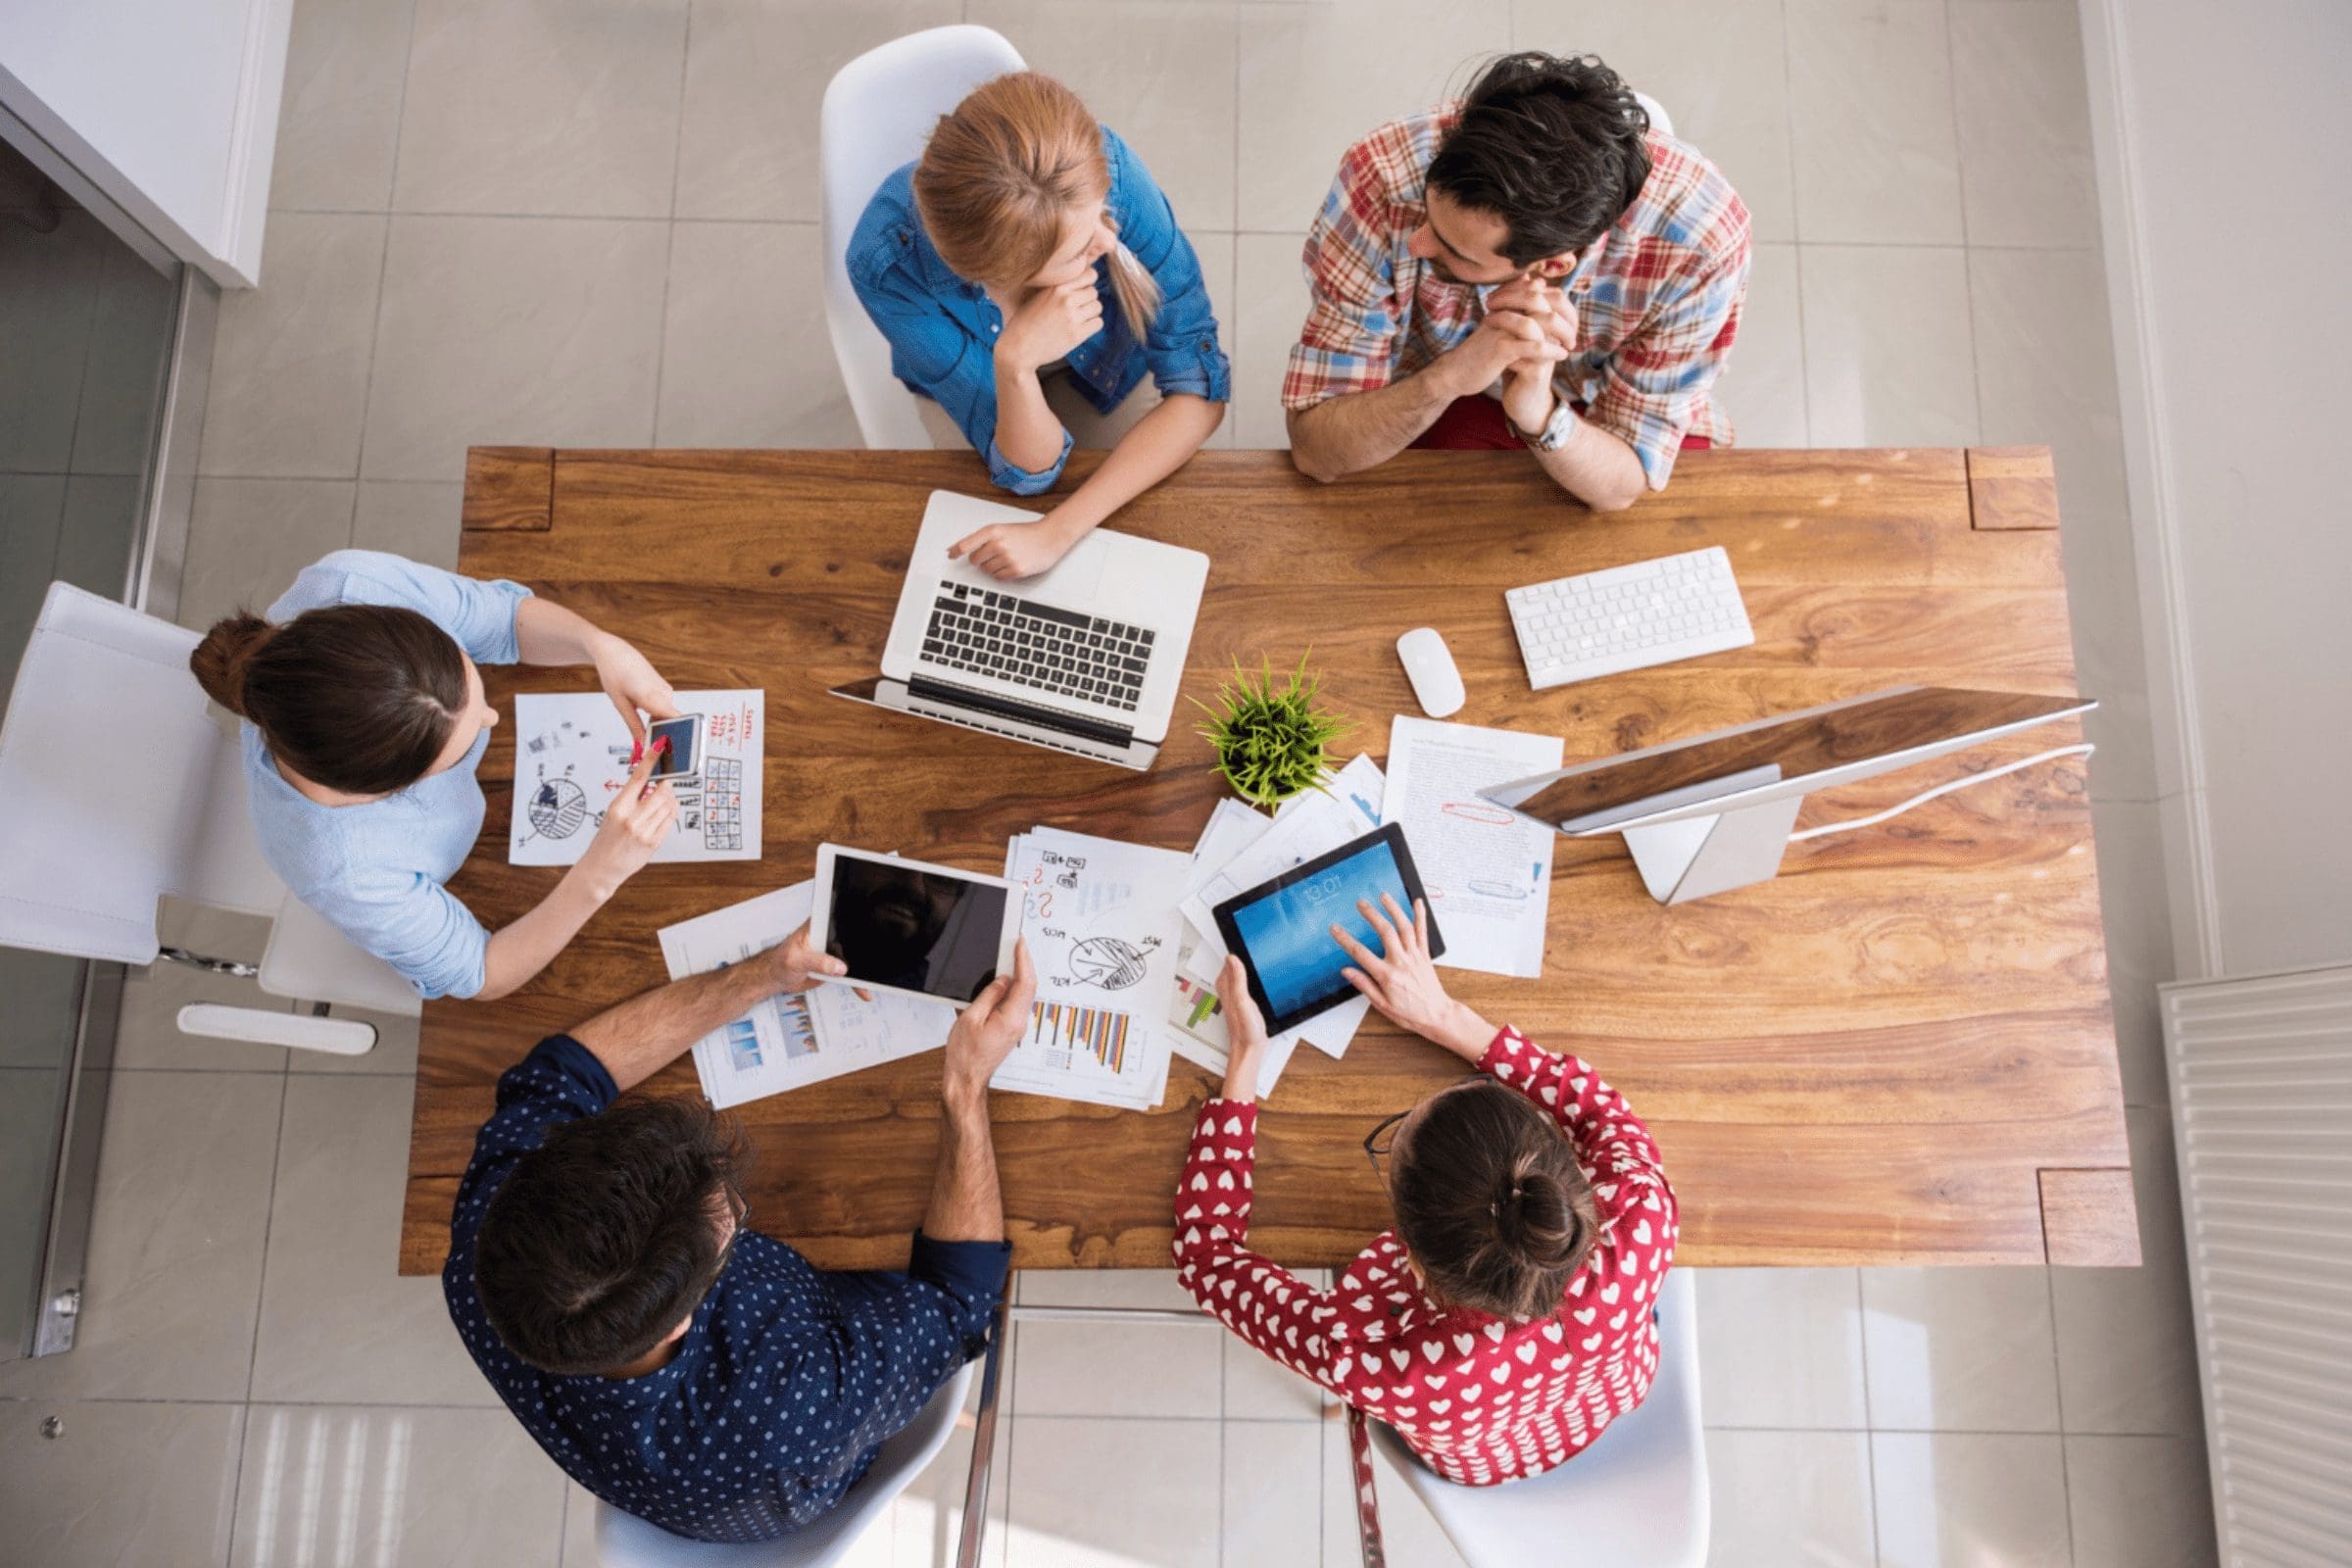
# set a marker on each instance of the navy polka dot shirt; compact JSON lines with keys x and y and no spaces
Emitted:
{"x":783,"y":1388}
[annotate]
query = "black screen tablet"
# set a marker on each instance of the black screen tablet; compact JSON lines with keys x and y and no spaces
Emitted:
{"x":901,"y":925}
{"x":1282,"y":928}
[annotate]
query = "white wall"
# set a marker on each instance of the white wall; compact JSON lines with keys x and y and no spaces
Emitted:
{"x":2225,"y":150}
{"x":169,"y":106}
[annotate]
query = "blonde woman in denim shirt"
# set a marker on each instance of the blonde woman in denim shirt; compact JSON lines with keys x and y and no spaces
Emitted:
{"x":1026,"y":240}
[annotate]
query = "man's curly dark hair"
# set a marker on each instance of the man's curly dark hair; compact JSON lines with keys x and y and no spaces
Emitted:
{"x":1551,"y":145}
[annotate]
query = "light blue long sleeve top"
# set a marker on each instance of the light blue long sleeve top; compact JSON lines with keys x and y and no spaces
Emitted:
{"x":376,"y":871}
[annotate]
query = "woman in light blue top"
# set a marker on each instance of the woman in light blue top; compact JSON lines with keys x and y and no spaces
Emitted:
{"x":364,"y":723}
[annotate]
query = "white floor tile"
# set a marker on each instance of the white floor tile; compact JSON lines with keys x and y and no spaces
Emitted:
{"x":338,"y":124}
{"x":745,"y":360}
{"x":419,"y":520}
{"x":1781,"y":1348}
{"x":249,"y":538}
{"x":290,"y":376}
{"x":2024,"y":124}
{"x":378,"y":1484}
{"x":2125,"y":1362}
{"x":338,"y":1321}
{"x":926,"y":1523}
{"x":513,"y":106}
{"x":1273,"y":1510}
{"x":1270,"y":301}
{"x":67,"y":1498}
{"x":1316,"y":79}
{"x":2141,"y":1502}
{"x":1763,"y":384}
{"x":755,"y":74}
{"x":1119,"y":1369}
{"x":1717,"y":68}
{"x":1258,"y":1388}
{"x":1101,"y":1494}
{"x":1789,"y":1500}
{"x":1870,"y":102}
{"x":1103,"y":1287}
{"x":1162,"y":77}
{"x":1887,"y":357}
{"x":1960,"y":1349}
{"x":175,"y":1243}
{"x":513,"y":331}
{"x":1962,"y":1500}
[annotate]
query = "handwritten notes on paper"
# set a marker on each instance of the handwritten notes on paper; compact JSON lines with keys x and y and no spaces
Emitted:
{"x":1487,"y":872}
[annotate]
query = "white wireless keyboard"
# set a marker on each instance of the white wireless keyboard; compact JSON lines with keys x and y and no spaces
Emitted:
{"x":1629,"y":617}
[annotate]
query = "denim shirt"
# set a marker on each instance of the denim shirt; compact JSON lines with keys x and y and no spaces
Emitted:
{"x":942,"y":329}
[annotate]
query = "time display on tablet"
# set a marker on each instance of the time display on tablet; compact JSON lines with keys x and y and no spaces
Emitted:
{"x":1282,"y":929}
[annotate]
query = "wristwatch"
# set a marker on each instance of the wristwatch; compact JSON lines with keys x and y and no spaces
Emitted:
{"x":1556,"y":432}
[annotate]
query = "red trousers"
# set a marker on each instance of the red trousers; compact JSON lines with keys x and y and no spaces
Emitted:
{"x":1475,"y":423}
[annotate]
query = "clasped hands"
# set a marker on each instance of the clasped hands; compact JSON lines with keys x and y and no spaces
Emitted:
{"x":1529,"y":328}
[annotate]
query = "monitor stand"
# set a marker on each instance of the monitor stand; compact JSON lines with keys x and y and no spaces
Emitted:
{"x":1702,"y":856}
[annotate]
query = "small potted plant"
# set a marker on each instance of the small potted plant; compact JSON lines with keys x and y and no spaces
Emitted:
{"x":1271,"y":739}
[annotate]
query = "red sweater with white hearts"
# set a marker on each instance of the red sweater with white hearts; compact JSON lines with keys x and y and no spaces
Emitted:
{"x":1480,"y":1399}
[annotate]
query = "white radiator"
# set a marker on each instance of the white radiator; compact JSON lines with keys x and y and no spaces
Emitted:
{"x":2262,"y":1118}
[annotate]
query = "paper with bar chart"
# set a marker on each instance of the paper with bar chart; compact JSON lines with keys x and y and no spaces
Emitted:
{"x":1103,"y":930}
{"x":790,"y":1040}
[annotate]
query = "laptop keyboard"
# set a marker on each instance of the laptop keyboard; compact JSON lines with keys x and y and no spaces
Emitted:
{"x":1041,"y":645}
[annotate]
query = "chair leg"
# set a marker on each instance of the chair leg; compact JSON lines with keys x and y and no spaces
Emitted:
{"x":984,"y":1440}
{"x":1367,"y":1507}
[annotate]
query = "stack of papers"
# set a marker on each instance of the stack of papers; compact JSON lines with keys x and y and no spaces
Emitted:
{"x":571,"y":755}
{"x":1487,"y":870}
{"x":1103,"y":933}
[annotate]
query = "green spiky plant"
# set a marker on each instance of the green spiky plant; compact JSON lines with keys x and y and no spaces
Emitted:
{"x":1272,"y":742}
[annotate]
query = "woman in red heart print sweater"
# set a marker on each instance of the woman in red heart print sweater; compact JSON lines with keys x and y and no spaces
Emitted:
{"x":1505,"y":1321}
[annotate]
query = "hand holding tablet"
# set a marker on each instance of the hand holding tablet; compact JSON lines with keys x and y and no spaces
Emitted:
{"x":930,"y":931}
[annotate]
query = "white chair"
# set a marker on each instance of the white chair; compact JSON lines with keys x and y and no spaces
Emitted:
{"x":121,"y":788}
{"x":625,"y":1540}
{"x":878,"y":109}
{"x":1659,"y":120}
{"x":1636,"y":1498}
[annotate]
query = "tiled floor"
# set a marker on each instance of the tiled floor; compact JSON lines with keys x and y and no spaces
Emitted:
{"x":503,"y":221}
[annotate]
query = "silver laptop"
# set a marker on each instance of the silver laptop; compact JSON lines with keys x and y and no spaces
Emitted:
{"x":1084,"y":659}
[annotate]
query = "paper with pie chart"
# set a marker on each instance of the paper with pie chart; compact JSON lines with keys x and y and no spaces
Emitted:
{"x":571,"y":755}
{"x":1102,"y":928}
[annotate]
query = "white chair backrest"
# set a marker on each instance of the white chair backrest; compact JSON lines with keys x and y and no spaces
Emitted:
{"x":1636,"y":1498}
{"x":877,"y":111}
{"x":1659,"y":120}
{"x":119,"y":787}
{"x":623,"y":1540}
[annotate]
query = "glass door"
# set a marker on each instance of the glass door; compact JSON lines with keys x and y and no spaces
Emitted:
{"x":86,"y":327}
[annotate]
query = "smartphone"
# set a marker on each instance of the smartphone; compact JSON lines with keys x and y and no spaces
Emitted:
{"x":682,"y":759}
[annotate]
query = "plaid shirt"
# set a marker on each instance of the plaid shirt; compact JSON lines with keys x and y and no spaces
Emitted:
{"x":1657,"y":297}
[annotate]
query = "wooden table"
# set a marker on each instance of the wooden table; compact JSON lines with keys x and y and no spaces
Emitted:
{"x":1899,"y":1051}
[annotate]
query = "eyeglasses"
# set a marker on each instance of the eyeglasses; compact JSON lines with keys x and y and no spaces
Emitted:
{"x":1380,"y":1139}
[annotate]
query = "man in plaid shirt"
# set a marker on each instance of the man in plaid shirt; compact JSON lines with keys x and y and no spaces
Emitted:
{"x":1531,"y":264}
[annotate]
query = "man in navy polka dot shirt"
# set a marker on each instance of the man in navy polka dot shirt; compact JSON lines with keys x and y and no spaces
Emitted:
{"x":679,"y":1365}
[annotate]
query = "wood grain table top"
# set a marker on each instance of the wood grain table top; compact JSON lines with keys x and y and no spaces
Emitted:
{"x":1898,"y":1051}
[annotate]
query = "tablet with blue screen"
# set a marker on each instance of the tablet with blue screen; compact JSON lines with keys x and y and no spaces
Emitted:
{"x":1282,"y":929}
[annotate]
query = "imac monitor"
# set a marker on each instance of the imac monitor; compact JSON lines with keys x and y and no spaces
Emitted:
{"x":1721,"y":804}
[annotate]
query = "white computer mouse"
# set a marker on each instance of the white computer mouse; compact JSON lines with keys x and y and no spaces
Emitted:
{"x":1429,"y":666}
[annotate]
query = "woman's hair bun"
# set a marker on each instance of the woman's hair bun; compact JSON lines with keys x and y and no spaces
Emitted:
{"x":1534,"y":1218}
{"x":221,"y":661}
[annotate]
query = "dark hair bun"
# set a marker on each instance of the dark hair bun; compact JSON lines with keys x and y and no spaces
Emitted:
{"x":1534,"y":1218}
{"x":221,"y":661}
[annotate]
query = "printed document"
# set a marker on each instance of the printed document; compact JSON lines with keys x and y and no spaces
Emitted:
{"x":571,"y":755}
{"x":1487,"y":872}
